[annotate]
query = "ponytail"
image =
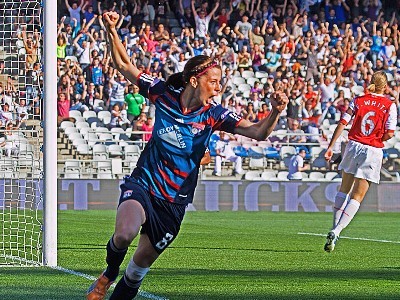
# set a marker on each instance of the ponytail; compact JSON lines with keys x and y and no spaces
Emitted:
{"x":378,"y":82}
{"x":176,"y":80}
{"x":371,"y":88}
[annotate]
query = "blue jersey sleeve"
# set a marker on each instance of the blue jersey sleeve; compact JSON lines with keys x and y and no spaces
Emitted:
{"x":151,"y":87}
{"x":224,"y":119}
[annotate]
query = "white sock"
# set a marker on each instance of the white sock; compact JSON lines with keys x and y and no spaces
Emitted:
{"x":340,"y":204}
{"x":348,"y":214}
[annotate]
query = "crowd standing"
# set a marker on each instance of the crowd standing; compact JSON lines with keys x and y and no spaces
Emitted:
{"x":322,"y":53}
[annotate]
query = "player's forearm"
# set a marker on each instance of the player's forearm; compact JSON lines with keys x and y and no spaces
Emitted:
{"x":119,"y":55}
{"x":338,"y":131}
{"x":261,"y":130}
{"x":387,"y":136}
{"x":270,"y":123}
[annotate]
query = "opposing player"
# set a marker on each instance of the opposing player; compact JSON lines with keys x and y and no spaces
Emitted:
{"x":153,"y":199}
{"x":374,"y":121}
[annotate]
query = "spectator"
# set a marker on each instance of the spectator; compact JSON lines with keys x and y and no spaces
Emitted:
{"x":61,"y":46}
{"x":88,"y":13}
{"x":149,"y":13}
{"x":203,"y":19}
{"x":225,"y":33}
{"x":117,"y":117}
{"x":118,"y":89}
{"x":31,"y":44}
{"x":83,"y":52}
{"x":257,"y":56}
{"x":6,"y":115}
{"x":161,"y":35}
{"x":294,"y":108}
{"x":138,"y":126}
{"x":273,"y":59}
{"x":75,"y":10}
{"x":297,"y":166}
{"x":134,"y":101}
{"x":243,"y":30}
{"x":244,"y":59}
{"x":63,"y":106}
{"x":10,"y":141}
{"x":148,"y":127}
{"x":263,"y":112}
{"x":22,"y":113}
{"x":225,"y":152}
{"x":185,"y":16}
{"x":224,"y":16}
{"x":296,"y":135}
{"x":248,"y":113}
{"x":180,"y":62}
{"x":327,"y":88}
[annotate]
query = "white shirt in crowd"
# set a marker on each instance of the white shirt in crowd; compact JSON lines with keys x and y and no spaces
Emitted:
{"x":296,"y":162}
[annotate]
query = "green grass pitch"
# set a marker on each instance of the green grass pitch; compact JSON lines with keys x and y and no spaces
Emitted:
{"x":230,"y":255}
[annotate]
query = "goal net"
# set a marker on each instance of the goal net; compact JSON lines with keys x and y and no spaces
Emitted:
{"x":21,"y":133}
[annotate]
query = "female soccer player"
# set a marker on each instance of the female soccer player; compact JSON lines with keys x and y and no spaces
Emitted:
{"x":374,"y":121}
{"x":153,"y":199}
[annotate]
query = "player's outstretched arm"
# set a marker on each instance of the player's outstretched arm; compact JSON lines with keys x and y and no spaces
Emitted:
{"x":120,"y":57}
{"x":262,"y":129}
{"x":338,"y":131}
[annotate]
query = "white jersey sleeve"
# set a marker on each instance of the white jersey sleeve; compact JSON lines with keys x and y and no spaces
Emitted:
{"x":392,"y":120}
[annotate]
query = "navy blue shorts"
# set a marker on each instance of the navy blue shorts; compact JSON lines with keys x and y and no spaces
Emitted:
{"x":163,"y":218}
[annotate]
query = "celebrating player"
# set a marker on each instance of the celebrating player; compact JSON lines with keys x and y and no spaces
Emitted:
{"x":153,"y":199}
{"x":374,"y":121}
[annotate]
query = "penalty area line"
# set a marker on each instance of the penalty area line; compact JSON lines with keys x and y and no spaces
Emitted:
{"x":351,"y":238}
{"x":92,"y":278}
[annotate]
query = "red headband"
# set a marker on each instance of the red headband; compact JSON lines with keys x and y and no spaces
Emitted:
{"x":206,"y":69}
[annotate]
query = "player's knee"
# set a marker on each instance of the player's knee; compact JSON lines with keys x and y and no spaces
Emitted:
{"x":123,"y":239}
{"x":135,"y":273}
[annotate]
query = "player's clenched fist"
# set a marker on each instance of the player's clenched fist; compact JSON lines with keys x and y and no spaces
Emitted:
{"x":111,"y":19}
{"x":328,"y":154}
{"x":279,"y":101}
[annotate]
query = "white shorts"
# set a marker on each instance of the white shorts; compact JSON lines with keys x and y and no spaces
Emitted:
{"x":363,"y":161}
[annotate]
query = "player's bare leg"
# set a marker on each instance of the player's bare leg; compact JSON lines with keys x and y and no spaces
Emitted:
{"x":130,"y":216}
{"x":128,"y":286}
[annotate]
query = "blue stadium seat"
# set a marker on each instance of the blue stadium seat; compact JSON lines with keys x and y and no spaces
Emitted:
{"x":214,"y":138}
{"x":256,"y":152}
{"x":272,"y":153}
{"x":240,"y":151}
{"x":385,"y":154}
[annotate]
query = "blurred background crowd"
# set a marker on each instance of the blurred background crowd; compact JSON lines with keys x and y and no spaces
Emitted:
{"x":321,"y":53}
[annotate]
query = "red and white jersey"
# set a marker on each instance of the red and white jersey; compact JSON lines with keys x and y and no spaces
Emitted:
{"x":373,"y":115}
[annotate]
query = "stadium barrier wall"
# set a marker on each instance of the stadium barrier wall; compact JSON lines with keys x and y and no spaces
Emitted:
{"x":234,"y":195}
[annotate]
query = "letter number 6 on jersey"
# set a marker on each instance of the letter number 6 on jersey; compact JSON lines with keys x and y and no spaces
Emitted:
{"x":164,"y":242}
{"x":367,"y":124}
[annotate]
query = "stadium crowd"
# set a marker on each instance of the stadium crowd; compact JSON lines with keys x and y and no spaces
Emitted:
{"x":320,"y":53}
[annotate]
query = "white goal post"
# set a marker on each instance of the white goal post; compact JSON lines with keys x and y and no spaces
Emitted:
{"x":28,"y":133}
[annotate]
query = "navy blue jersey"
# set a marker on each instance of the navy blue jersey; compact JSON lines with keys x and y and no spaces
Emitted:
{"x":169,"y":164}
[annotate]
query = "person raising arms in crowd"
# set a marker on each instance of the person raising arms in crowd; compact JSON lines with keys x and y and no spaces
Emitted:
{"x":154,"y":197}
{"x":374,"y":121}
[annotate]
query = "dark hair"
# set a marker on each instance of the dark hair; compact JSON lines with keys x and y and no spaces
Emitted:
{"x":195,"y":66}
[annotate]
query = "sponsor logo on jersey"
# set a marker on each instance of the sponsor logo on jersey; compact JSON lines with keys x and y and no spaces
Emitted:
{"x":172,"y":135}
{"x":223,"y":116}
{"x":127,"y":194}
{"x":197,"y":128}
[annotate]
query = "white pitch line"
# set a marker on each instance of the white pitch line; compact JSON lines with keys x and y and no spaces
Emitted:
{"x":350,"y":238}
{"x":92,"y":278}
